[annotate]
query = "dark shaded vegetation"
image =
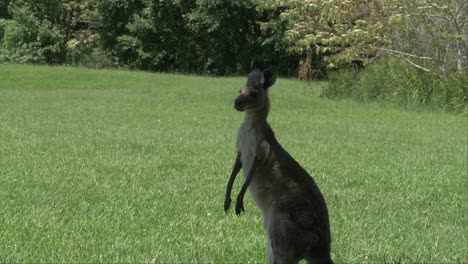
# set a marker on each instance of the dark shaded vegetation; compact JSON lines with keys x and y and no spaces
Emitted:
{"x":206,"y":37}
{"x":392,"y":80}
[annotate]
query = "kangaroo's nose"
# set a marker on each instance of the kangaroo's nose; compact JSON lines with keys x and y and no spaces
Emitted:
{"x":238,"y":103}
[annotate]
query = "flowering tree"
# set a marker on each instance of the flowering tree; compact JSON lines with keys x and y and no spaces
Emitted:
{"x":329,"y":34}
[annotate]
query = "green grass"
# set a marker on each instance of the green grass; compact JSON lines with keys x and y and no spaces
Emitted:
{"x":112,"y":166}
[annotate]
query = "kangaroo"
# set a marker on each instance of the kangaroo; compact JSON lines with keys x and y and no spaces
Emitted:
{"x":294,"y":211}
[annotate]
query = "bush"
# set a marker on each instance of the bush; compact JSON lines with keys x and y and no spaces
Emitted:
{"x":389,"y":79}
{"x":26,"y":39}
{"x":2,"y":28}
{"x":456,"y":92}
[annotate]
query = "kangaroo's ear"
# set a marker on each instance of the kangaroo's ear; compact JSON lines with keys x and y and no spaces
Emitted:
{"x":254,"y":79}
{"x":269,"y":76}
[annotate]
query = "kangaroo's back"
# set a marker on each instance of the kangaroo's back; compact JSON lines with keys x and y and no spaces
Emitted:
{"x":296,"y":193}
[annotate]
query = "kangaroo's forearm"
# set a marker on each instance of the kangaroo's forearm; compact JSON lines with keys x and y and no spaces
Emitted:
{"x":235,"y":171}
{"x":248,"y":179}
{"x":232,"y":178}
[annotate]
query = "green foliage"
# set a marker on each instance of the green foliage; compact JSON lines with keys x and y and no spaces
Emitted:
{"x":433,"y":34}
{"x":40,"y":31}
{"x":454,"y":90}
{"x":3,"y":24}
{"x":27,"y":39}
{"x":390,"y":79}
{"x":326,"y":34}
{"x":332,"y":34}
{"x":214,"y":37}
{"x":111,"y":18}
{"x":129,"y":50}
{"x":228,"y":26}
{"x":4,"y":9}
{"x":161,"y":29}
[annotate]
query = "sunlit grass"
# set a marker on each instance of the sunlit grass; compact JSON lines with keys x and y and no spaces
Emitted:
{"x":112,"y":166}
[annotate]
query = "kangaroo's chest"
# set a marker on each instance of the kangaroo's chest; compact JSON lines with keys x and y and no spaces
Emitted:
{"x":247,"y":146}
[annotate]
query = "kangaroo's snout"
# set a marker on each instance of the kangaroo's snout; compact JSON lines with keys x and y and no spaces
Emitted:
{"x":239,"y":104}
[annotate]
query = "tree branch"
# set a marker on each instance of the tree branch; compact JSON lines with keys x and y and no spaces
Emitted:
{"x":405,"y":54}
{"x":420,"y":15}
{"x":412,"y":63}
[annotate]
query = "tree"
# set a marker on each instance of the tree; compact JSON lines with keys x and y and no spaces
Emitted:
{"x":431,"y":36}
{"x":4,"y":9}
{"x":27,"y":38}
{"x":39,"y":31}
{"x":327,"y":34}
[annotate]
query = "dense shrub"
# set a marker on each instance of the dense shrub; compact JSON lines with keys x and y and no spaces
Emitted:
{"x":27,"y":39}
{"x":3,"y":24}
{"x":199,"y":36}
{"x":454,"y":90}
{"x":390,"y":79}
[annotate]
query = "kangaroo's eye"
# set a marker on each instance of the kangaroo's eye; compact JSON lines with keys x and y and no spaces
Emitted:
{"x":254,"y":94}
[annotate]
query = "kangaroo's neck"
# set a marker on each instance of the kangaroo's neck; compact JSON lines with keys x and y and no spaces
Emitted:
{"x":255,"y":119}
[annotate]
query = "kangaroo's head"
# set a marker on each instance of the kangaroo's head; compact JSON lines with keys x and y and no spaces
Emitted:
{"x":253,"y":97}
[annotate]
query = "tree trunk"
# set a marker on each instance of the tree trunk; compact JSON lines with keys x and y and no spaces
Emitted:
{"x":459,"y":56}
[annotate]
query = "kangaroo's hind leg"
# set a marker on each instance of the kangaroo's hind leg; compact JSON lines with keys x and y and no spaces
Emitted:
{"x":280,"y":242}
{"x":319,"y":256}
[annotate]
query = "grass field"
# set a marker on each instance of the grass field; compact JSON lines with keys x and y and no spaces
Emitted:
{"x":113,"y":166}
